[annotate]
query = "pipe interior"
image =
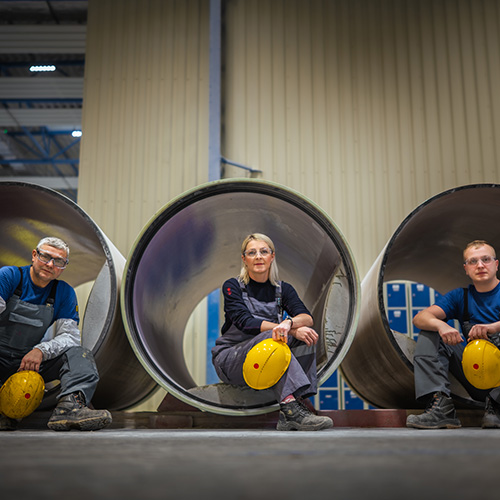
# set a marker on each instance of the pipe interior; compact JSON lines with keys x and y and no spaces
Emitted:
{"x":194,"y":245}
{"x":426,"y":248}
{"x":30,"y":212}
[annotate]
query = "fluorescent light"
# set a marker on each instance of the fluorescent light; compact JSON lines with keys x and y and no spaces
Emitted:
{"x":76,"y":133}
{"x":47,"y":67}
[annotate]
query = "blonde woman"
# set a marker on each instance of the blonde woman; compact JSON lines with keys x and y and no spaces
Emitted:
{"x":254,"y":304}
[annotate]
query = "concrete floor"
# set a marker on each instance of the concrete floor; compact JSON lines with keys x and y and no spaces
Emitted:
{"x":341,"y":464}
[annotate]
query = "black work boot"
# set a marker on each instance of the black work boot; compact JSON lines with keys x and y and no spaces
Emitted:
{"x":491,"y":419}
{"x":72,"y":413}
{"x":7,"y":423}
{"x":295,"y":416}
{"x":439,"y":414}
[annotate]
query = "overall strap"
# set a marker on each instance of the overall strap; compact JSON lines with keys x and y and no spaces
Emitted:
{"x":52,"y":295}
{"x":466,"y":316}
{"x":466,"y":326}
{"x":279,"y":302}
{"x":50,"y":299}
{"x":243,"y":288}
{"x":19,"y":290}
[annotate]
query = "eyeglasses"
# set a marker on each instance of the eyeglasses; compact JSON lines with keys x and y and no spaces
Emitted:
{"x":485,"y":259}
{"x":46,"y":258}
{"x":263,"y":252}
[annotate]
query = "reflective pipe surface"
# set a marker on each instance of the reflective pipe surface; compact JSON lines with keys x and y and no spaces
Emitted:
{"x":192,"y":245}
{"x":29,"y":212}
{"x":426,"y":248}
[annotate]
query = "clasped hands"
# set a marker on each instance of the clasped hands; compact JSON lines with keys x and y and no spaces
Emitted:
{"x":302,"y":333}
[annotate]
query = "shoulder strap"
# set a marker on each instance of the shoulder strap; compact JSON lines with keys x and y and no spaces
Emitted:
{"x":279,"y":302}
{"x":50,"y":299}
{"x":19,"y":289}
{"x":52,"y":295}
{"x":466,"y":316}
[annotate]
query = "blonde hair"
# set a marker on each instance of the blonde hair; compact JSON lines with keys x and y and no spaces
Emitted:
{"x":273,"y":271}
{"x":477,"y":244}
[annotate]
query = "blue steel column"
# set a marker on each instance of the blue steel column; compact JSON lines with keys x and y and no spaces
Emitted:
{"x":214,"y":154}
{"x":214,"y":159}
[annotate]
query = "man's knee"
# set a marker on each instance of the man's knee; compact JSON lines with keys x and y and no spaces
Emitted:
{"x":79,"y":352}
{"x":81,"y":359}
{"x":427,"y":343}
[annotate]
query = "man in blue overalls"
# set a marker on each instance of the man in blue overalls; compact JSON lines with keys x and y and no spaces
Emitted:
{"x":31,"y":300}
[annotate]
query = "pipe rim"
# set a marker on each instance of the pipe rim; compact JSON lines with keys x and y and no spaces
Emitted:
{"x":197,"y":194}
{"x":75,"y":226}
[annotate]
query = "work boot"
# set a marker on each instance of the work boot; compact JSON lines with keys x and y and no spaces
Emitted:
{"x":491,"y":419}
{"x":295,"y":416}
{"x":72,"y":413}
{"x":7,"y":423}
{"x":439,"y":414}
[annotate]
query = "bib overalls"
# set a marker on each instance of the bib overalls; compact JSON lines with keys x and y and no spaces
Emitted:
{"x":22,"y":326}
{"x":231,"y":349}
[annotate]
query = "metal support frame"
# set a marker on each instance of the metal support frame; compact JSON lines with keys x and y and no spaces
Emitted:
{"x":42,"y":148}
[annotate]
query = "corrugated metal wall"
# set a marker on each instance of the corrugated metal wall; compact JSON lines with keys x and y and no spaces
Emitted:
{"x":145,"y":125}
{"x":368,"y":107}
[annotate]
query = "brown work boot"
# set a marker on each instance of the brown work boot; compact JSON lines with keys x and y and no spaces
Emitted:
{"x":72,"y":413}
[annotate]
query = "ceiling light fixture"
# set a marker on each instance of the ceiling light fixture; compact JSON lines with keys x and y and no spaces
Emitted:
{"x":46,"y":67}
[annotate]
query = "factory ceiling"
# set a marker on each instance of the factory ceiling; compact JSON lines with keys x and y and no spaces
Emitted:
{"x":40,"y":111}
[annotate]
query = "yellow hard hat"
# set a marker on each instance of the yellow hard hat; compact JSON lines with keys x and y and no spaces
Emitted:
{"x":21,"y":394}
{"x":481,"y":364}
{"x":265,"y":364}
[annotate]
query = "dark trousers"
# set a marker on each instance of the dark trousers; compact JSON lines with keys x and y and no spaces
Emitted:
{"x":75,"y":369}
{"x":300,"y":379}
{"x":434,"y":360}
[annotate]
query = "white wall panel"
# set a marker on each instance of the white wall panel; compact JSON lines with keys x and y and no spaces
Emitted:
{"x":145,"y":112}
{"x":368,"y":107}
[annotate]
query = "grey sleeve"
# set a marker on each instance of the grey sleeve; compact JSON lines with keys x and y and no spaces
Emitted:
{"x":66,"y":335}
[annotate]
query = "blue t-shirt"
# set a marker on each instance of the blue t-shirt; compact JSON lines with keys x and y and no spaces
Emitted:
{"x":65,"y":304}
{"x":484,"y":307}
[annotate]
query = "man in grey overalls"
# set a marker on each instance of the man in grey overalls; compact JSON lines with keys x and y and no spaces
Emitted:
{"x":31,"y":300}
{"x":440,"y":346}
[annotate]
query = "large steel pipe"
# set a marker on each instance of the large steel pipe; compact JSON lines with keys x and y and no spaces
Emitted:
{"x":29,"y":212}
{"x":192,"y":245}
{"x":426,"y":248}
